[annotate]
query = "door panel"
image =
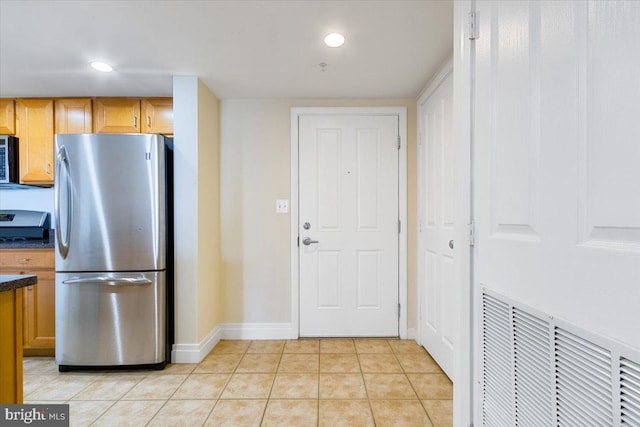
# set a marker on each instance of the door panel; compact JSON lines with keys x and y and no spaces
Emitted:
{"x":435,"y":267}
{"x":556,"y":154}
{"x":349,"y":196}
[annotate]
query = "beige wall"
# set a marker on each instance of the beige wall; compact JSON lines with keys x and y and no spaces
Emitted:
{"x":255,"y":159}
{"x":196,"y":209}
{"x":209,"y":307}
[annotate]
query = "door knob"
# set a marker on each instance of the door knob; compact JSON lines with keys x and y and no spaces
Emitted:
{"x":307,"y":241}
{"x":451,"y":244}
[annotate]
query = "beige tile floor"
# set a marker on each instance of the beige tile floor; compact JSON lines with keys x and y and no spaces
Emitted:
{"x":307,"y":382}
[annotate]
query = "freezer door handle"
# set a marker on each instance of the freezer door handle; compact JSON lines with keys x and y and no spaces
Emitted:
{"x":111,"y":281}
{"x":62,"y":159}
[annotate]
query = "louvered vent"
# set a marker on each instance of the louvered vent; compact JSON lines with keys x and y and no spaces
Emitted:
{"x":583,"y":382}
{"x":539,"y":371}
{"x":532,"y":358}
{"x":497,"y":367}
{"x":629,"y":392}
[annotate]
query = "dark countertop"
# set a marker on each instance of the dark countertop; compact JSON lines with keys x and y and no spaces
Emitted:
{"x":31,"y":243}
{"x":10,"y":282}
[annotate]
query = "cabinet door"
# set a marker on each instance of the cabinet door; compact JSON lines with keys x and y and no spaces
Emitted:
{"x":73,"y":115}
{"x":7,"y":117}
{"x":34,"y":123}
{"x":40,"y":315}
{"x":116,"y":115}
{"x":157,"y":115}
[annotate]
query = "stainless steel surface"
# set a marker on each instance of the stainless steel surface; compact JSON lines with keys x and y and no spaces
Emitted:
{"x":307,"y":241}
{"x":63,"y":160}
{"x":99,"y":322}
{"x":111,"y":281}
{"x":110,"y":203}
{"x":21,"y":218}
{"x":451,"y":244}
{"x":117,"y":213}
{"x":306,"y":226}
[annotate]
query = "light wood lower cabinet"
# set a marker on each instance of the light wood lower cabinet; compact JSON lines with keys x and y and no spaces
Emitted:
{"x":39,"y":314}
{"x":11,"y":347}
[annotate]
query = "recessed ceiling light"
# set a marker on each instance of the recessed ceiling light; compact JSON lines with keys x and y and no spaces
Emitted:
{"x":334,"y":40}
{"x":101,"y":66}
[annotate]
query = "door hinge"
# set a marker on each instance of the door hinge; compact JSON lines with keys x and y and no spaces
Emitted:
{"x":471,"y":233}
{"x":419,"y":226}
{"x":399,"y":142}
{"x":399,"y":226}
{"x":298,"y":241}
{"x":399,"y":309}
{"x":420,"y":138}
{"x":472,"y":26}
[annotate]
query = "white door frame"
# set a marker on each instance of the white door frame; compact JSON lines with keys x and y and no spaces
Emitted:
{"x":401,"y":113}
{"x":463,"y":82}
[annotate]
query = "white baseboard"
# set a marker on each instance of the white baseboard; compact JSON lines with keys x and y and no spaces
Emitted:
{"x":257,"y":331}
{"x":194,"y":353}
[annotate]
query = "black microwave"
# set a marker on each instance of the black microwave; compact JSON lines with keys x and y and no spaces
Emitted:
{"x":8,"y":159}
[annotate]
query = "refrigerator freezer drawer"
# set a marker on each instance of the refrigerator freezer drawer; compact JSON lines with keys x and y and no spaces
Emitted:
{"x":110,"y":319}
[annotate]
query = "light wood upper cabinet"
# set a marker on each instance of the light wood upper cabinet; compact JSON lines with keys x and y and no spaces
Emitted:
{"x":34,"y":125}
{"x":7,"y":117}
{"x":157,"y":115}
{"x":73,"y":115}
{"x":119,"y":115}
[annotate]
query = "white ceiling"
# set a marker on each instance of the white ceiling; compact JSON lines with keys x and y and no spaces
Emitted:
{"x":240,"y":49}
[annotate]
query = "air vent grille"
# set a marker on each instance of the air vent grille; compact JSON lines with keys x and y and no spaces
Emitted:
{"x":532,"y":358}
{"x":497,"y":369}
{"x":629,"y":392}
{"x":541,"y":371}
{"x":583,"y":381}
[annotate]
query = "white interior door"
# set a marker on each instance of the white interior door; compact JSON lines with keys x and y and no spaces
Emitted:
{"x":436,"y":226}
{"x":557,"y":164}
{"x":348,"y":225}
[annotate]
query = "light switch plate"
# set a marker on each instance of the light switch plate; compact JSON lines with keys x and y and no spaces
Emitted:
{"x":282,"y":206}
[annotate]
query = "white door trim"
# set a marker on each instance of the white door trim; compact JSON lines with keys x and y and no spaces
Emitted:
{"x":401,"y":113}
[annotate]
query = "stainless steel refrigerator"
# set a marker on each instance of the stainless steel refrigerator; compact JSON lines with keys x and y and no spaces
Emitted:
{"x":111,"y":225}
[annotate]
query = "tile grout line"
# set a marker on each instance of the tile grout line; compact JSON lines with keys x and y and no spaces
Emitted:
{"x":168,"y":399}
{"x":215,"y":405}
{"x":414,"y":389}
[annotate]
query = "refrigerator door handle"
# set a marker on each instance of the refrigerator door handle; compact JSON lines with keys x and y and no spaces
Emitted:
{"x":63,"y":244}
{"x":111,"y":281}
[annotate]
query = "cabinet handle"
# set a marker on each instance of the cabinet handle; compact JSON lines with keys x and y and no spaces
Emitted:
{"x":23,"y":260}
{"x":135,"y":121}
{"x":148,"y":121}
{"x":48,"y":169}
